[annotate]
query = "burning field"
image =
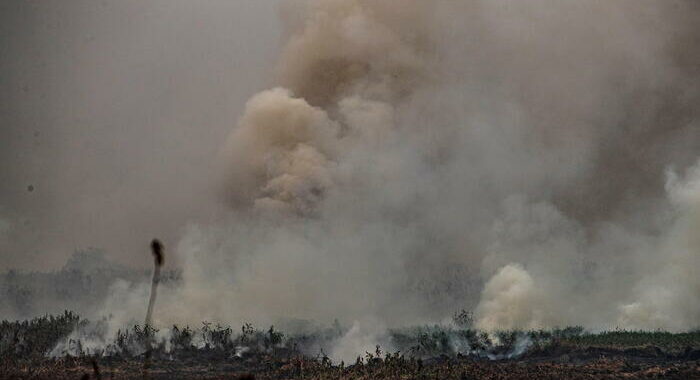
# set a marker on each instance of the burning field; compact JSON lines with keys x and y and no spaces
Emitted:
{"x":350,"y":189}
{"x":66,"y":347}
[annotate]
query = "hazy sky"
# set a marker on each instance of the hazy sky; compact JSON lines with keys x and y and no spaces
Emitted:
{"x":113,"y":112}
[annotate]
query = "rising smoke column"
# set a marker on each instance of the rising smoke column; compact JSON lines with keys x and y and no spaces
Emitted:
{"x":304,"y":152}
{"x":405,"y":154}
{"x":345,"y":66}
{"x":666,"y":298}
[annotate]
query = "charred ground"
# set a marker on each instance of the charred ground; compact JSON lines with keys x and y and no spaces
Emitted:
{"x":64,"y":347}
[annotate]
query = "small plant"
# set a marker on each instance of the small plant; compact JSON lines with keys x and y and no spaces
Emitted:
{"x":273,"y":338}
{"x":181,"y":339}
{"x":463,"y":319}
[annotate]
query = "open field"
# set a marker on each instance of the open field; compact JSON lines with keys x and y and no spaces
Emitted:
{"x":43,"y":348}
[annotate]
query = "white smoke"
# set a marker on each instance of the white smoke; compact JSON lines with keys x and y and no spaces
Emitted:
{"x":666,"y":298}
{"x":661,"y":298}
{"x":359,"y":340}
{"x":511,"y":299}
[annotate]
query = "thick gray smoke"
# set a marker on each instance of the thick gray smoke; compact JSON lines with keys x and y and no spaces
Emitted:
{"x":534,"y":161}
{"x":412,"y":152}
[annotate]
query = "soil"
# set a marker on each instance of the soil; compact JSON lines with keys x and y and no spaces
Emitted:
{"x":553,"y":362}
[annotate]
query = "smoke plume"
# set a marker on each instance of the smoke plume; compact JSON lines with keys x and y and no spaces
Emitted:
{"x":536,"y":162}
{"x":411,"y":153}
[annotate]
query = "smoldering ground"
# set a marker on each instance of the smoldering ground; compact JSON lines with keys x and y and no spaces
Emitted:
{"x":533,"y":161}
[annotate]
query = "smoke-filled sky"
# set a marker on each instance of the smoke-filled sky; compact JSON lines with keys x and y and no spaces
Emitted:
{"x":114,"y":111}
{"x":392,"y":161}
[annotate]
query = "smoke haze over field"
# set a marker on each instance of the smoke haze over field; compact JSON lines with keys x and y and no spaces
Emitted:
{"x":537,"y":162}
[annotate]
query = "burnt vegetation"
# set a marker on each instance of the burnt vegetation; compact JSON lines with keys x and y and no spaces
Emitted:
{"x":66,"y":346}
